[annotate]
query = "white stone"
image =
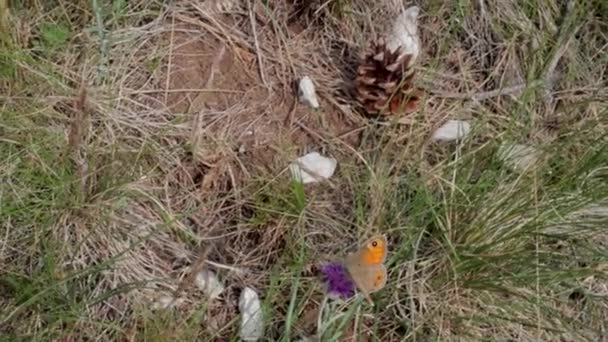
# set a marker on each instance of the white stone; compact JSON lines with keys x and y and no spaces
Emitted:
{"x":313,"y":167}
{"x":452,"y":130}
{"x":307,"y":92}
{"x":252,"y":318}
{"x":208,"y":282}
{"x":404,"y":33}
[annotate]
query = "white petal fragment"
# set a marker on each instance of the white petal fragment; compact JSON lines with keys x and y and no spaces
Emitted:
{"x":518,"y":157}
{"x":313,"y":167}
{"x":452,"y":130}
{"x":208,"y":282}
{"x":404,"y":33}
{"x":166,"y":302}
{"x":307,"y":93}
{"x":252,"y":319}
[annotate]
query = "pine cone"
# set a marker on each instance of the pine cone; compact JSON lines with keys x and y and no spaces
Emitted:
{"x":385,"y":81}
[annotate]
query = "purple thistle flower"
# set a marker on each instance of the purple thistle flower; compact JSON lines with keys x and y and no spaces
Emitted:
{"x":339,"y":284}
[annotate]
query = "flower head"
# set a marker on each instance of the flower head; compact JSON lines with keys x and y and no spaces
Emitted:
{"x":338,"y":282}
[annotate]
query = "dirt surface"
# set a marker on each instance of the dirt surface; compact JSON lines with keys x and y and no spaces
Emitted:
{"x":237,"y":117}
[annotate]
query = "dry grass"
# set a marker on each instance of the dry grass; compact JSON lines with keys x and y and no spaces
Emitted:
{"x":143,"y":140}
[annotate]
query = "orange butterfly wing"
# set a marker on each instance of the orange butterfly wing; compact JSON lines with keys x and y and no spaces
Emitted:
{"x":373,"y":251}
{"x":371,"y":279}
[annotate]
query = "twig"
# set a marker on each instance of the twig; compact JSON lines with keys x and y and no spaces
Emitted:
{"x":215,"y":66}
{"x":356,"y":324}
{"x":170,"y":58}
{"x":184,"y":90}
{"x":256,"y":43}
{"x":290,"y":115}
{"x":77,"y":136}
{"x":482,"y":8}
{"x":236,"y":270}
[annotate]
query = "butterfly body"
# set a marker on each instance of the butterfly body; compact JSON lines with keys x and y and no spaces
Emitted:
{"x":366,"y":265}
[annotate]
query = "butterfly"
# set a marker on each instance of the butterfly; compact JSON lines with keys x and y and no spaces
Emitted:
{"x":366,"y":265}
